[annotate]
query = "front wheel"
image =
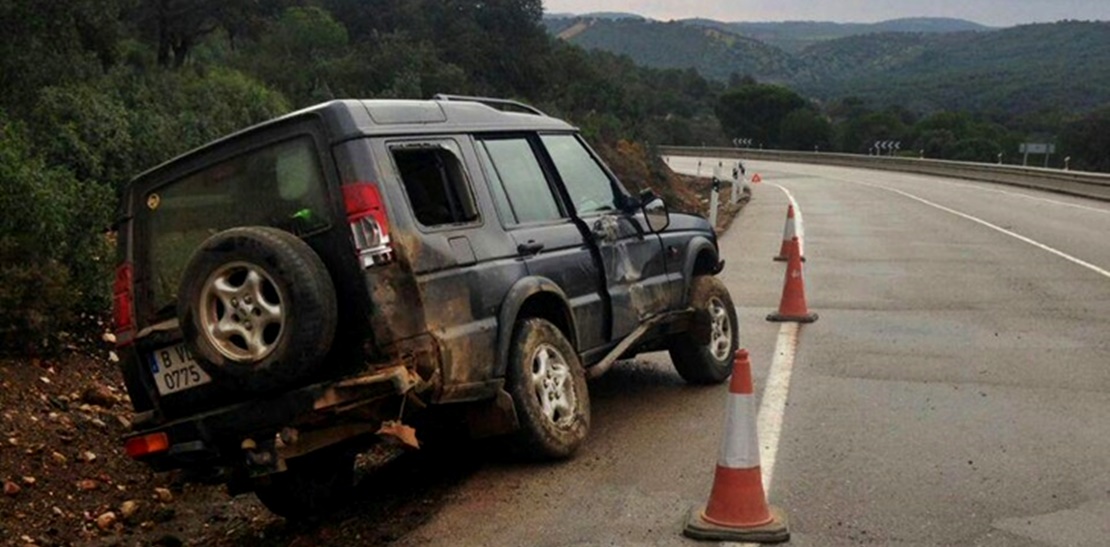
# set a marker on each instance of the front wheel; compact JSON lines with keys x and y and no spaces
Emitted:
{"x":708,"y":359}
{"x":548,"y":387}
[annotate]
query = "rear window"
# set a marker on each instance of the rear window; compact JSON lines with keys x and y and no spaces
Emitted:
{"x":281,"y":185}
{"x":436,"y":183}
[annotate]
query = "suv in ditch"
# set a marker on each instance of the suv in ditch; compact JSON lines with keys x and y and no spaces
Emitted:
{"x":292,"y":293}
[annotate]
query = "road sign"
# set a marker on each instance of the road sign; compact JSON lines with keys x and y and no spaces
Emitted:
{"x":1037,"y":148}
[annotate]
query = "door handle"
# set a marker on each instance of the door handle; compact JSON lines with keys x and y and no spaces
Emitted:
{"x":530,"y":248}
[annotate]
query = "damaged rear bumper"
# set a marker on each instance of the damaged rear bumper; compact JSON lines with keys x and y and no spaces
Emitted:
{"x":263,"y":433}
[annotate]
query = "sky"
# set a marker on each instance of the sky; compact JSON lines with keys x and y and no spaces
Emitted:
{"x":987,"y":12}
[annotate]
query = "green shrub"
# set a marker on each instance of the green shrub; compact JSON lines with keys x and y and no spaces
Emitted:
{"x":54,"y":257}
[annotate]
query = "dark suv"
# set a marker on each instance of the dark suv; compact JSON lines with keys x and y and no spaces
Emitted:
{"x":294,"y":292}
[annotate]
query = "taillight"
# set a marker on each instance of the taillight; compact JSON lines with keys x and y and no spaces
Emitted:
{"x":146,"y":445}
{"x":369,"y":223}
{"x":123,"y":304}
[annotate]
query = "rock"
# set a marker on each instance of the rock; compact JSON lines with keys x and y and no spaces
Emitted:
{"x":88,"y":457}
{"x":44,"y":380}
{"x":112,"y":357}
{"x":163,"y":495}
{"x":105,"y":521}
{"x":99,"y":396}
{"x":109,"y":338}
{"x":58,"y":511}
{"x":128,"y":509}
{"x":58,"y":458}
{"x":29,"y":481}
{"x":11,"y":488}
{"x":98,"y":423}
{"x":124,"y":422}
{"x":86,"y":485}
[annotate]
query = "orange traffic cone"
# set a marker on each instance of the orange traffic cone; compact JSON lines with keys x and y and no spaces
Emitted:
{"x":737,"y":509}
{"x":788,"y":233}
{"x":792,"y":307}
{"x":757,"y":179}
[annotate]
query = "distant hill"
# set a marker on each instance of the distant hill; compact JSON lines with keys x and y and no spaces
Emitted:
{"x":794,"y":36}
{"x":1021,"y":69}
{"x":714,"y":53}
{"x":923,"y":64}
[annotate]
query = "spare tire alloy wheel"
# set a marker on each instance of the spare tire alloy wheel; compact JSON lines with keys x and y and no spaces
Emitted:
{"x":258,"y":307}
{"x":241,"y":312}
{"x":548,"y":387}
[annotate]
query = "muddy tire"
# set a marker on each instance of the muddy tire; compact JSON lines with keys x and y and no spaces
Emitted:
{"x":257,"y":307}
{"x":707,"y":359}
{"x":548,"y":387}
{"x":314,"y":484}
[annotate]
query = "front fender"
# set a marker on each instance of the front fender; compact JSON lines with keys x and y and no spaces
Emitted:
{"x":699,"y":246}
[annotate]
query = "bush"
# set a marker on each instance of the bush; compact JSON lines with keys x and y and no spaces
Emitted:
{"x":53,"y":254}
{"x":63,"y":174}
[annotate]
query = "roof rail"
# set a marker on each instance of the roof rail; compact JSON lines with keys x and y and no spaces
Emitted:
{"x":490,"y":101}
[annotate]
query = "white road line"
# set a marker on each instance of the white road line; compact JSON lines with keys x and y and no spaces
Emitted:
{"x":996,"y":228}
{"x":772,"y":407}
{"x":986,"y":186}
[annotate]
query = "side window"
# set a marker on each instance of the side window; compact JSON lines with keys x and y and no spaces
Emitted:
{"x":517,"y":181}
{"x":589,"y":188}
{"x":436,"y":183}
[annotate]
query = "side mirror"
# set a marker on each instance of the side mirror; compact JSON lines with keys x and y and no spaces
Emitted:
{"x":655,"y":211}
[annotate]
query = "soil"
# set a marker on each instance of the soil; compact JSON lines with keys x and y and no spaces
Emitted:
{"x":63,"y":469}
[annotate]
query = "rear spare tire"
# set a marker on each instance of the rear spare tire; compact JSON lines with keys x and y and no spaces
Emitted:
{"x":257,"y":306}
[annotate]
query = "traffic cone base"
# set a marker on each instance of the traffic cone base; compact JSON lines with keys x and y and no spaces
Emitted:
{"x":780,"y":318}
{"x":774,"y":531}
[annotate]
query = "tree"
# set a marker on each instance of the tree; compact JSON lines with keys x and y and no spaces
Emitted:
{"x":805,"y":129}
{"x":1087,"y":141}
{"x":177,"y":26}
{"x":309,"y":39}
{"x":859,"y":135}
{"x":757,"y":111}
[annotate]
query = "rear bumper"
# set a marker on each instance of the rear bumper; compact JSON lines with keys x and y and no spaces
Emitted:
{"x":223,"y":438}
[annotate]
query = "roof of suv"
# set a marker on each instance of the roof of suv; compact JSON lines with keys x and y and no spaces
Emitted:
{"x":352,"y":118}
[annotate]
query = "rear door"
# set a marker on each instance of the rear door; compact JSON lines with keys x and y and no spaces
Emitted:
{"x":631,"y":255}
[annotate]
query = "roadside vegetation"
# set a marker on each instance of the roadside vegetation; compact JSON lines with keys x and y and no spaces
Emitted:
{"x":105,"y":89}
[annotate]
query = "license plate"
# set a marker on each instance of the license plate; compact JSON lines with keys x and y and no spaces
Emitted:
{"x":175,"y":370}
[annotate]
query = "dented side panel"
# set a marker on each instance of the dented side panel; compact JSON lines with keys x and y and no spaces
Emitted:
{"x":635,"y":270}
{"x":448,"y":282}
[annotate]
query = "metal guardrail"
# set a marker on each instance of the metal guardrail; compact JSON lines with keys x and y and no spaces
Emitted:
{"x":1076,"y":183}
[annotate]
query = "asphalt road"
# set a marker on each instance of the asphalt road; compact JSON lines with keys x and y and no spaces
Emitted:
{"x":956,"y":390}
